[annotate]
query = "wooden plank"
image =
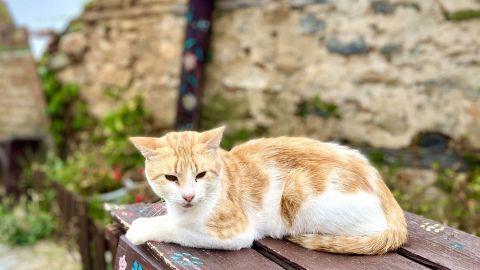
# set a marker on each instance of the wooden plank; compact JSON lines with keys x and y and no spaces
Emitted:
{"x":128,"y":254}
{"x":97,"y":233}
{"x":292,"y":256}
{"x":112,"y":235}
{"x":178,"y":257}
{"x":439,"y":246}
{"x":82,"y":235}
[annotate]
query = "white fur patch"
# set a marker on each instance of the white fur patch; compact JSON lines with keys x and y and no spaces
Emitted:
{"x":334,"y":212}
{"x":268,"y":221}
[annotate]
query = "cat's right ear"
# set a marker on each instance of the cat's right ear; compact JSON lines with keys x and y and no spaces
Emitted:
{"x":212,"y":138}
{"x":146,"y":145}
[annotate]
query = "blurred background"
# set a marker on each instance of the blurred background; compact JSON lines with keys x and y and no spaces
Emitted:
{"x":399,"y":80}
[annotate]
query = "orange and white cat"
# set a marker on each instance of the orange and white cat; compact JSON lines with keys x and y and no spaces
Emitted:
{"x":322,"y":196}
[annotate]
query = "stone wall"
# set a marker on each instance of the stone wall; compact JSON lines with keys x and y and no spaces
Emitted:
{"x":22,"y":105}
{"x":119,"y":50}
{"x":366,"y":71}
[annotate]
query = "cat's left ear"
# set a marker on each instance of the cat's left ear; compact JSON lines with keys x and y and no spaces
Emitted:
{"x":146,"y":145}
{"x":212,"y":138}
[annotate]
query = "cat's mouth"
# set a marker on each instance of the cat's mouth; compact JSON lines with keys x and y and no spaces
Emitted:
{"x":188,"y":205}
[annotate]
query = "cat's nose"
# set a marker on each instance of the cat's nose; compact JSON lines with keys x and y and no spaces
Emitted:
{"x":188,"y":197}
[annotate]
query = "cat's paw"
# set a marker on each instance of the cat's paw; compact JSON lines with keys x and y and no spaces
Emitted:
{"x":138,"y":232}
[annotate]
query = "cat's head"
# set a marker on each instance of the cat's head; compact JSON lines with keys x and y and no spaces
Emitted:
{"x":183,"y":168}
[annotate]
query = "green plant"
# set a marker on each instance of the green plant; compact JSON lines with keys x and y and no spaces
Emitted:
{"x":24,"y":222}
{"x":128,"y":120}
{"x":317,"y":106}
{"x":453,"y":197}
{"x":82,"y":172}
{"x":67,"y":111}
{"x":464,"y":15}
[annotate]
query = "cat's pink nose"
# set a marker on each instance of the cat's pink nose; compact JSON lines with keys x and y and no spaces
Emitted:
{"x":188,"y":197}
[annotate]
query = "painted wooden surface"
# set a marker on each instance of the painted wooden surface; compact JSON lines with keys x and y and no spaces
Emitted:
{"x":430,"y":245}
{"x":293,"y":256}
{"x":132,"y":257}
{"x":439,"y":246}
{"x":178,"y":257}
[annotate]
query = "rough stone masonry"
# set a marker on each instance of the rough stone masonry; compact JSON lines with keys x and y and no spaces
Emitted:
{"x":22,"y":107}
{"x":374,"y":72}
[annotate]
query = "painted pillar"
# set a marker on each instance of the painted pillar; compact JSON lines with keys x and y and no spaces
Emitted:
{"x":199,"y":18}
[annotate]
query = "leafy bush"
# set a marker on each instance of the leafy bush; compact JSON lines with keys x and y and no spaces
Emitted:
{"x":67,"y":111}
{"x":128,"y":120}
{"x":24,"y":222}
{"x":82,"y":172}
{"x":453,"y":197}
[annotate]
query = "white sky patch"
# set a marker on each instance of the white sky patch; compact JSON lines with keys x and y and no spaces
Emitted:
{"x":43,"y":14}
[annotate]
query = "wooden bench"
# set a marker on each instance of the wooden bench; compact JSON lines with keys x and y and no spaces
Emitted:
{"x":431,"y":245}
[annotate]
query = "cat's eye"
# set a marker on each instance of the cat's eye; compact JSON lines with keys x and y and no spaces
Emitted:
{"x":171,"y":177}
{"x":200,"y":175}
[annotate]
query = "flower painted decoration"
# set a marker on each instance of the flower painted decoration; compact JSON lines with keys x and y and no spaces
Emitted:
{"x":136,"y":266}
{"x":127,"y":213}
{"x":190,"y":61}
{"x":189,"y":101}
{"x":203,"y":25}
{"x":122,"y":263}
{"x":186,"y":259}
{"x":456,"y":245}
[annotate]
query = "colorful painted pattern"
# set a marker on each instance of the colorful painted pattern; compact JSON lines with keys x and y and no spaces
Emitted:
{"x":122,"y":263}
{"x":186,"y":259}
{"x":136,"y":266}
{"x":456,"y":245}
{"x":194,"y":57}
{"x":436,"y":228}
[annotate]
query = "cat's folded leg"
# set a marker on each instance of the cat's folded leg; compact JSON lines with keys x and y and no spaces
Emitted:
{"x":163,"y":229}
{"x":202,"y":239}
{"x":145,"y":229}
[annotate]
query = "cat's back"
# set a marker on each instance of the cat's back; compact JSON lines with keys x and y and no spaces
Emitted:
{"x":295,"y":151}
{"x":298,"y":159}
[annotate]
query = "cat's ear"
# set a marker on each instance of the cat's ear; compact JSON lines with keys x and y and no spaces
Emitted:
{"x":212,"y":138}
{"x":146,"y":145}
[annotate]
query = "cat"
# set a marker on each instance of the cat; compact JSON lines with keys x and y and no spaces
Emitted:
{"x":322,"y":196}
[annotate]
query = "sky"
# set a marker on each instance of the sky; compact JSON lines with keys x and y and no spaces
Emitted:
{"x":43,"y":14}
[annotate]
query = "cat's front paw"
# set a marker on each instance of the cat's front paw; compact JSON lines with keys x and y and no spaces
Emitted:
{"x":138,"y":232}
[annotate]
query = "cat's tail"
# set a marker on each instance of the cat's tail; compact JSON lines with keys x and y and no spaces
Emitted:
{"x":391,"y":239}
{"x":380,"y":243}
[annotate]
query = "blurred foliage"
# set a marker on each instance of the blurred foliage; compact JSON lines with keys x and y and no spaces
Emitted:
{"x":81,"y":172}
{"x":222,"y":110}
{"x":128,"y":120}
{"x":93,"y":154}
{"x":464,"y":15}
{"x":75,"y":26}
{"x":231,"y":139}
{"x":453,"y":198}
{"x":67,"y":111}
{"x":316,"y":106}
{"x":25,"y":221}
